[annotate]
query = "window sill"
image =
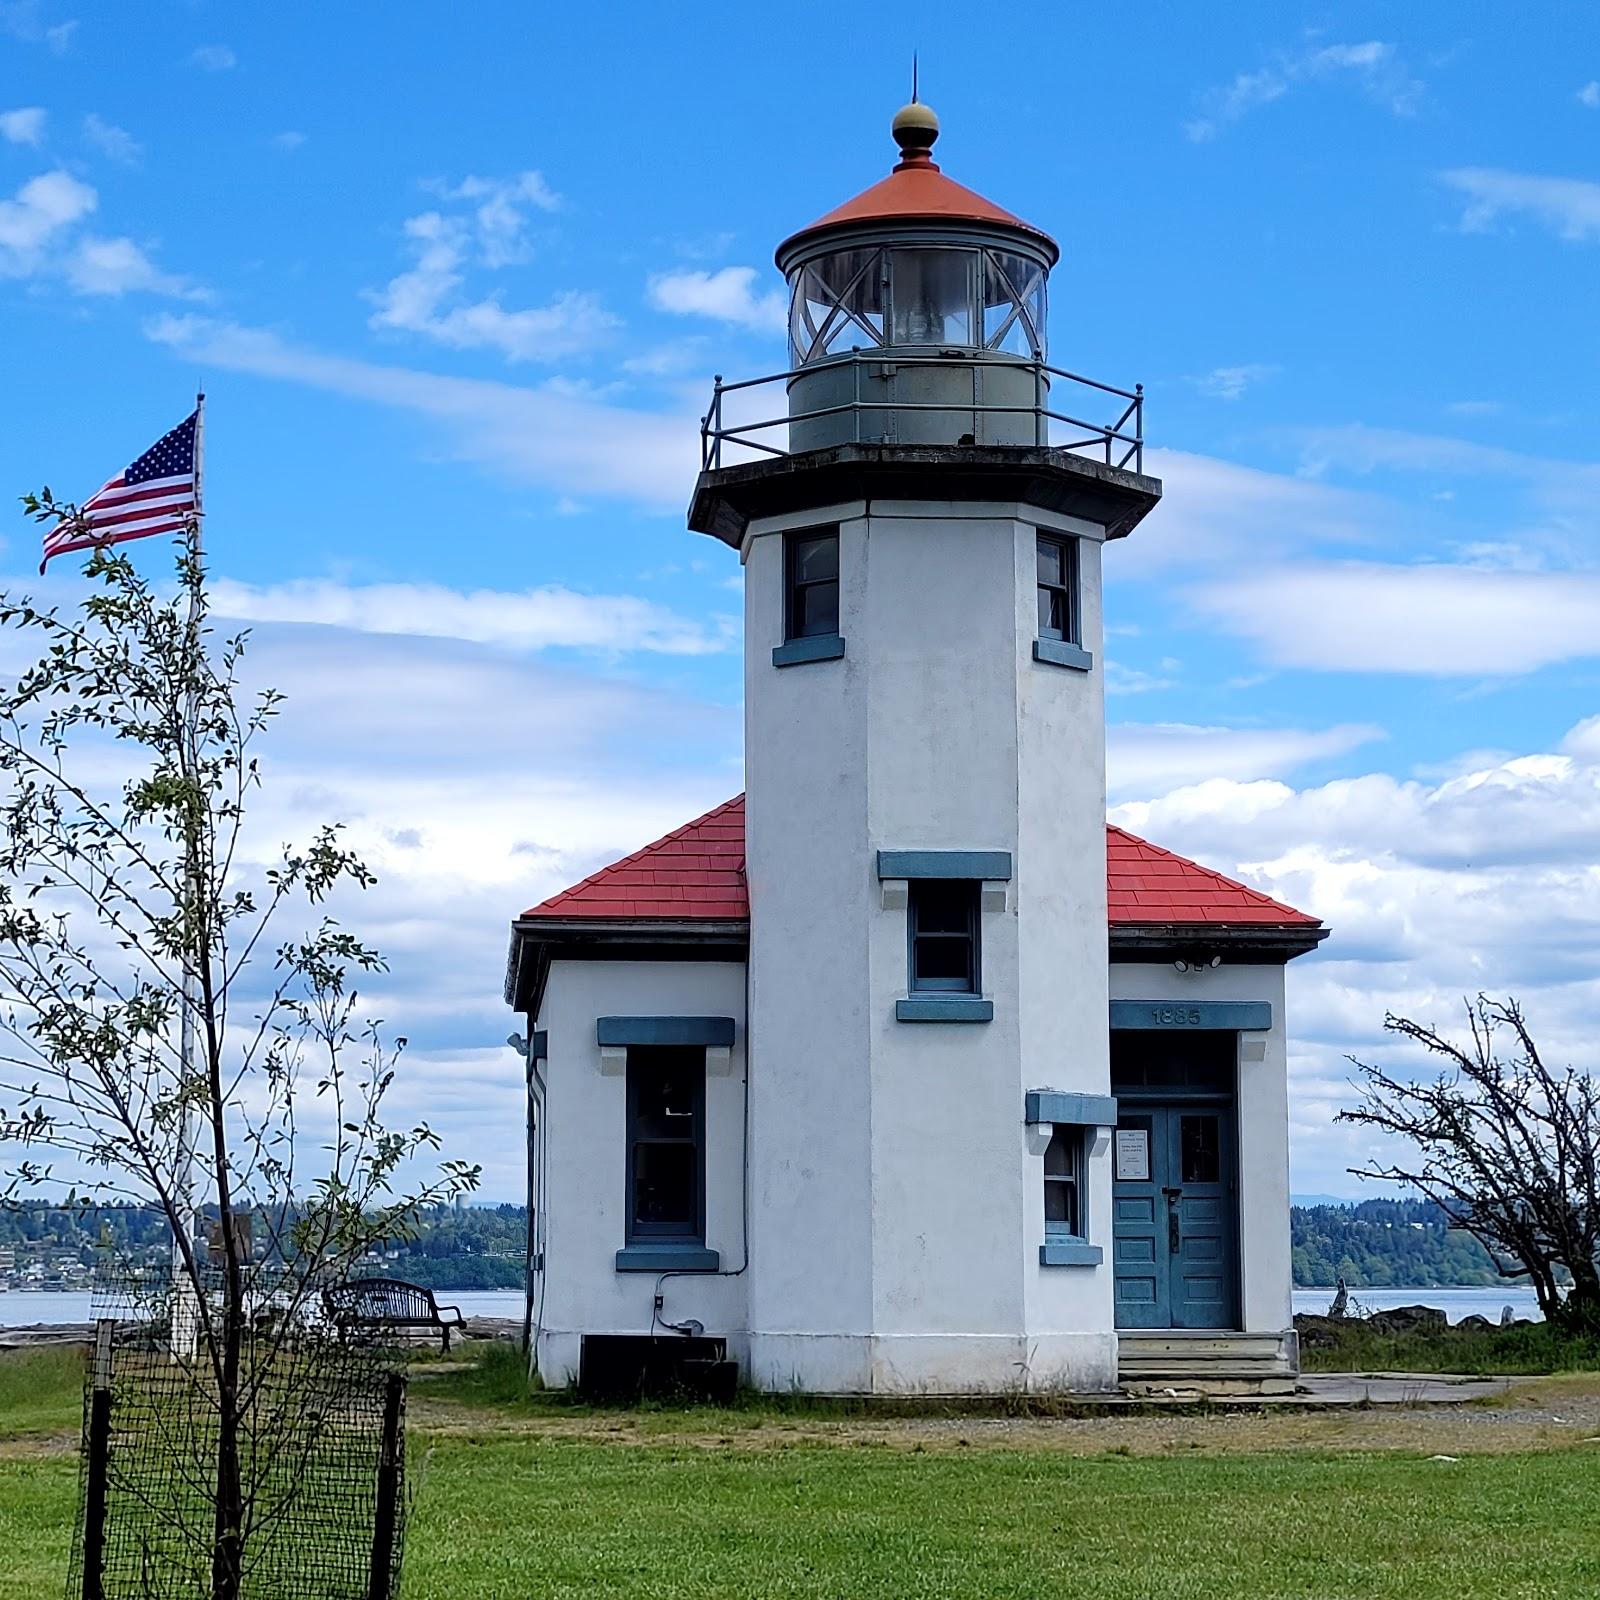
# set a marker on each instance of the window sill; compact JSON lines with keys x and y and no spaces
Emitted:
{"x":1062,"y":653}
{"x":1069,"y":1253}
{"x":667,"y":1257}
{"x":944,"y":1008}
{"x":819,"y":647}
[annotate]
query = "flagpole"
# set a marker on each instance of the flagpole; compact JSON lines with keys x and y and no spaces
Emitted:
{"x":185,"y":1329}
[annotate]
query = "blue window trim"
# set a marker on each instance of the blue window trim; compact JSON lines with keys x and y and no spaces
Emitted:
{"x":667,"y":1258}
{"x":984,"y":865}
{"x":1070,"y":1253}
{"x":943,"y":1008}
{"x":1241,"y":1016}
{"x":664,"y":1030}
{"x":816,"y":647}
{"x":1062,"y":653}
{"x":1082,"y":1110}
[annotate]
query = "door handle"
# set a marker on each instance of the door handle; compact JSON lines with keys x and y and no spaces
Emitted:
{"x":1174,"y":1237}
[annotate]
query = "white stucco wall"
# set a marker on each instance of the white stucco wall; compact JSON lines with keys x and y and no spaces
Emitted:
{"x":893,"y":1176}
{"x":584,"y":1126}
{"x":1263,"y":1123}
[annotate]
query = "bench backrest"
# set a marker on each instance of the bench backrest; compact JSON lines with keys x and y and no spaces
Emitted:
{"x":382,"y":1300}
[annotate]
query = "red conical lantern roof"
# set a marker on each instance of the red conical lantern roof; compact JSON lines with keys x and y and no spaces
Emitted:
{"x":917,"y":191}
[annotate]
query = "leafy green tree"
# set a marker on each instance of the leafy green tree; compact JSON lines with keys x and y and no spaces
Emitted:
{"x":163,"y":1029}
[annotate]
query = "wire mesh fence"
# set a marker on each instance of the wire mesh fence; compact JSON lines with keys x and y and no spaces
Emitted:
{"x":320,"y":1449}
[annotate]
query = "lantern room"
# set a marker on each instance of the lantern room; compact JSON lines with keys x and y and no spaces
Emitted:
{"x":917,"y":312}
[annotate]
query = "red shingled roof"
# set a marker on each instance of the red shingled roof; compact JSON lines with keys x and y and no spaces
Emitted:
{"x":1146,"y":884}
{"x":698,"y":872}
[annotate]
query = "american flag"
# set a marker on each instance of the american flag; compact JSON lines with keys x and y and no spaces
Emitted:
{"x":156,"y":494}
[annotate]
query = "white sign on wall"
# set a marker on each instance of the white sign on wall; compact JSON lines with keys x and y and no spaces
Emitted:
{"x":1133,"y":1155}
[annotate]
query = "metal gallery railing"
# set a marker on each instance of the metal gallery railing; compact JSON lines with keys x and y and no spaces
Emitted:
{"x":1118,"y":443}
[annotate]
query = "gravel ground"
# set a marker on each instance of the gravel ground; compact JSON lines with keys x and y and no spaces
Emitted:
{"x":1532,"y":1414}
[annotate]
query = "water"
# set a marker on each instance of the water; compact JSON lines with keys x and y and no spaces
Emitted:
{"x":20,"y":1307}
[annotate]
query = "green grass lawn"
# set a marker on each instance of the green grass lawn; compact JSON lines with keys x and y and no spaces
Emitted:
{"x":510,"y":1512}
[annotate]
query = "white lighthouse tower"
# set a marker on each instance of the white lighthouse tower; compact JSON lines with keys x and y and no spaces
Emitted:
{"x":930,"y":1193}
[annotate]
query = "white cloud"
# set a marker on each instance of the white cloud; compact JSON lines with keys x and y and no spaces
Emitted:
{"x":1589,"y":94}
{"x":118,"y":266}
{"x":110,"y":140}
{"x":1564,"y":493}
{"x":24,"y":125}
{"x":289,"y":139}
{"x":213,"y":58}
{"x":543,"y":435}
{"x":1373,"y":65}
{"x":498,"y":209}
{"x":1435,"y":620}
{"x":1228,"y":383}
{"x":1215,"y":511}
{"x":24,"y":20}
{"x":488,"y":228}
{"x":533,"y":619}
{"x":39,"y":237}
{"x":1569,"y":207}
{"x":1145,"y":757}
{"x":36,"y":215}
{"x":728,"y":295}
{"x":1486,"y":879}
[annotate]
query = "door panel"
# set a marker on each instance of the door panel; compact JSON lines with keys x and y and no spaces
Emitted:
{"x":1139,"y":1223}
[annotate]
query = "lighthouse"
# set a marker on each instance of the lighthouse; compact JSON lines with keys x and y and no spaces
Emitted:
{"x":925,"y":812}
{"x":902,"y":1073}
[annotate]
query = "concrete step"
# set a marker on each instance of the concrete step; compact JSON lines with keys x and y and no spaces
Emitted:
{"x":1158,"y":1360}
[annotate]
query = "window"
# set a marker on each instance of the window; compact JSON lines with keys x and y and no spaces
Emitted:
{"x":1013,"y":305}
{"x":930,"y":296}
{"x":944,"y":936}
{"x":1058,"y":588}
{"x":812,"y":605}
{"x":1063,"y":1214}
{"x":666,"y":1144}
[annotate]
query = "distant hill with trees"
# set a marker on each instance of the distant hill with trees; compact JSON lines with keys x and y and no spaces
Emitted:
{"x":1377,"y":1244}
{"x":1370,"y":1244}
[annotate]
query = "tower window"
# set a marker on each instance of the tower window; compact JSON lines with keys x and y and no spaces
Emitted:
{"x":944,"y":936}
{"x":1058,"y":588}
{"x":666,"y":1144}
{"x":1063,"y":1213}
{"x":812,"y":583}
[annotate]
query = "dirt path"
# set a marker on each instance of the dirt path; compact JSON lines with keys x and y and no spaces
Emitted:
{"x":1535,"y":1414}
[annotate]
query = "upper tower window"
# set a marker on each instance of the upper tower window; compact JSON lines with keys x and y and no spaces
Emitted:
{"x":1058,"y":588}
{"x":944,"y":936}
{"x":812,"y":602}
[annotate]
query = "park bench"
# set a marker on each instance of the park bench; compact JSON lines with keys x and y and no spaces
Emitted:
{"x":368,"y":1304}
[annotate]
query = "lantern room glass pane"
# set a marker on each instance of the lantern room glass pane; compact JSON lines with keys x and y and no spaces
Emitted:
{"x":836,"y":304}
{"x":931,"y":296}
{"x":1013,"y":304}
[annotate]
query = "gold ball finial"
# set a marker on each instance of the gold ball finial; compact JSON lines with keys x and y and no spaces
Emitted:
{"x":915,"y":127}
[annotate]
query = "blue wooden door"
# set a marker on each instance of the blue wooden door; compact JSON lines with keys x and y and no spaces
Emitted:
{"x":1175,"y":1227}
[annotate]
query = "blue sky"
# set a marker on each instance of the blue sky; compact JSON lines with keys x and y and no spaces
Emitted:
{"x":455,"y":280}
